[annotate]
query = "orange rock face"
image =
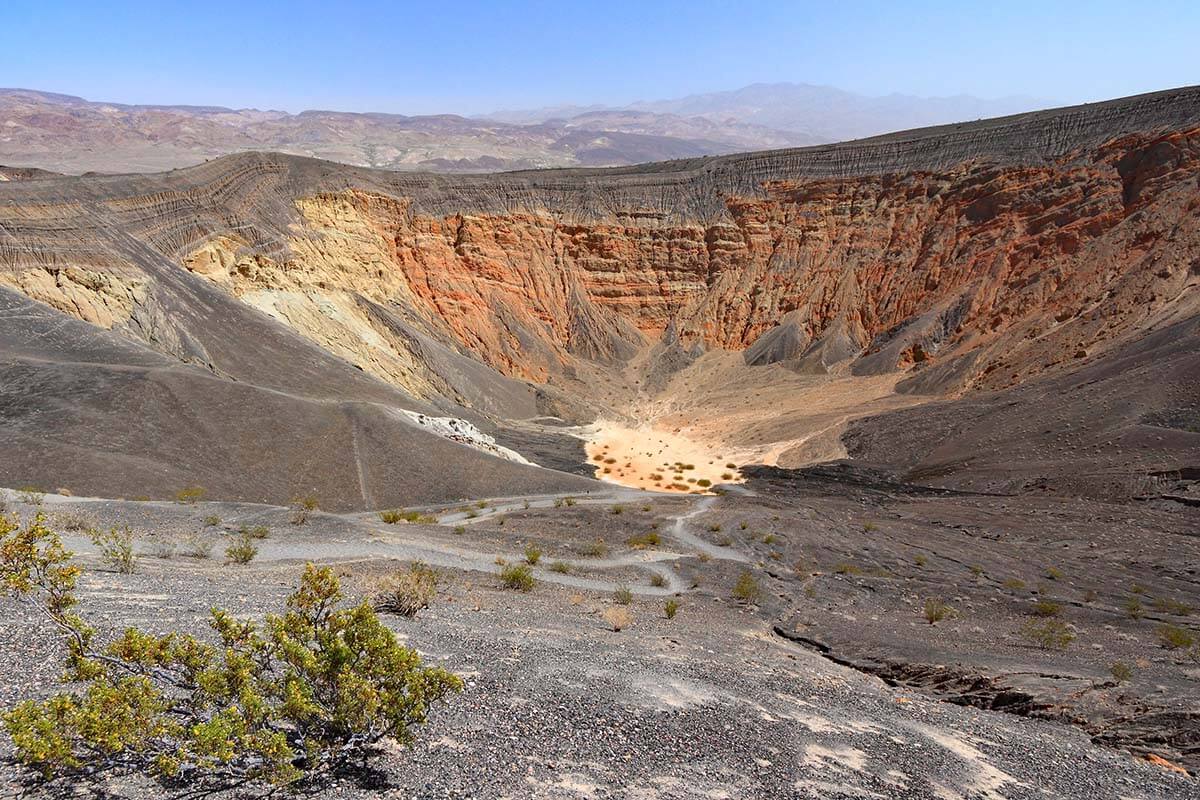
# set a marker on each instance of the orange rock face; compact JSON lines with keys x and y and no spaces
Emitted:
{"x":1038,"y":265}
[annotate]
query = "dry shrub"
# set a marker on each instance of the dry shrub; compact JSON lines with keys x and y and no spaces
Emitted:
{"x":406,"y":591}
{"x":617,"y":617}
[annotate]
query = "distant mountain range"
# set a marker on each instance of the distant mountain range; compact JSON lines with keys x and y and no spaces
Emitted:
{"x":69,"y":134}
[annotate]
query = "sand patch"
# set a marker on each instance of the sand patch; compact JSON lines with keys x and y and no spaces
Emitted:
{"x":656,"y":458}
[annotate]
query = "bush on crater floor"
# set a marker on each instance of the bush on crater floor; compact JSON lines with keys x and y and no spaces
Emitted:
{"x":116,"y":549}
{"x":517,"y":576}
{"x":407,"y":591}
{"x":310,"y":689}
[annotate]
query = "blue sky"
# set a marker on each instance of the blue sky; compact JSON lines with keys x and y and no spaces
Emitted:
{"x":469,"y":57}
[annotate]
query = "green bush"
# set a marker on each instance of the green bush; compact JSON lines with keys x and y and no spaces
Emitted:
{"x":1174,"y":637}
{"x":517,"y":576}
{"x":116,"y":549}
{"x":532,"y":555}
{"x":212,"y":521}
{"x":935,"y":610}
{"x":650,"y":539}
{"x":1046,"y":608}
{"x":597,"y":549}
{"x":622,"y":596}
{"x":254,"y":531}
{"x":31,"y":495}
{"x":1048,"y":634}
{"x":658,"y":580}
{"x":671,"y":608}
{"x":392,"y":516}
{"x":561,"y":567}
{"x":1133,"y":607}
{"x":310,"y":690}
{"x":197,"y":547}
{"x":190,"y":494}
{"x":242,"y":551}
{"x":747,"y":590}
{"x":1121,"y":671}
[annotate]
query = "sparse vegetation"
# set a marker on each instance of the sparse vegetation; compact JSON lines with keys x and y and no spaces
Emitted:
{"x":617,"y":617}
{"x":1174,"y":637}
{"x":561,"y":567}
{"x":597,"y":549}
{"x":212,"y":521}
{"x":1046,"y":608}
{"x":394,"y":515}
{"x":190,"y":494}
{"x":197,"y":547}
{"x":1133,"y":607}
{"x":1121,"y":671}
{"x":242,"y":551}
{"x":532,"y":555}
{"x":31,"y":495}
{"x":116,"y":549}
{"x":671,"y":608}
{"x":311,"y":690}
{"x":846,"y":568}
{"x":163,"y":550}
{"x":644,"y":540}
{"x":869,"y":527}
{"x":703,"y":483}
{"x":920,"y":560}
{"x":72,"y":521}
{"x":1047,"y":634}
{"x":617,"y":509}
{"x":658,"y":580}
{"x":1169,"y":605}
{"x":976,"y":571}
{"x":1053,"y":573}
{"x":406,"y":591}
{"x":459,"y":530}
{"x":1015,"y":584}
{"x":254,"y":531}
{"x":302,"y":507}
{"x":935,"y":610}
{"x":517,"y":576}
{"x":622,"y":595}
{"x":746,"y":589}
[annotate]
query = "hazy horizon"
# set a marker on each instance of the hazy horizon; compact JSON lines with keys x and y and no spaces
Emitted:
{"x":408,"y":59}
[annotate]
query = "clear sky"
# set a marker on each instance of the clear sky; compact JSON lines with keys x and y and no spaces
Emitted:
{"x":470,"y":57}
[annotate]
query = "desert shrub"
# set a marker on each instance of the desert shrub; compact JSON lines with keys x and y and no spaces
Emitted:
{"x":1137,"y":588}
{"x":846,"y":568}
{"x":617,"y":617}
{"x":1053,"y":573}
{"x":726,"y":476}
{"x":558,"y":502}
{"x":116,"y":549}
{"x":643,"y":540}
{"x":406,"y":591}
{"x":746,"y":589}
{"x":731,"y":465}
{"x":254,"y":531}
{"x":163,"y":550}
{"x":617,"y":509}
{"x":561,"y":567}
{"x":242,"y":551}
{"x":516,"y":576}
{"x":714,"y":528}
{"x":658,"y":580}
{"x":1015,"y":584}
{"x":770,"y":538}
{"x":190,"y":494}
{"x":622,"y":595}
{"x":72,"y":521}
{"x":920,"y":560}
{"x":459,"y":530}
{"x":310,"y":690}
{"x":31,"y":495}
{"x":302,"y":507}
{"x":1173,"y":637}
{"x":1046,"y":608}
{"x":704,"y":483}
{"x":671,"y":608}
{"x":1133,"y":607}
{"x":197,"y":547}
{"x":597,"y":549}
{"x":1048,"y":634}
{"x":704,"y":557}
{"x":392,"y":516}
{"x":569,"y":501}
{"x":935,"y":610}
{"x":532,"y":555}
{"x":870,"y":527}
{"x":1121,"y":671}
{"x":725,"y":541}
{"x":976,"y":570}
{"x":211,"y":521}
{"x":1169,"y":605}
